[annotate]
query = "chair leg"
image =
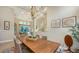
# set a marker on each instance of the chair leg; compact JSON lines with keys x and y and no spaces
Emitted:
{"x":14,"y":49}
{"x":69,"y":49}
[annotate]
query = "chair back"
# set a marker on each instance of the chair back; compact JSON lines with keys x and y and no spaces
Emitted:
{"x":44,"y":37}
{"x":68,"y":41}
{"x":17,"y":47}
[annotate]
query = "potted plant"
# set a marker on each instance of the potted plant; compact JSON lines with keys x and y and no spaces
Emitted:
{"x":75,"y":33}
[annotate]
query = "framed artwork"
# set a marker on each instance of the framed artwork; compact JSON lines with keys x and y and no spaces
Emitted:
{"x":6,"y":25}
{"x":69,"y":21}
{"x":1,"y":24}
{"x":56,"y":23}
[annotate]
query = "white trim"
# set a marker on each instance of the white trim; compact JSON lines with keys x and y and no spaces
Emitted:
{"x":6,"y":41}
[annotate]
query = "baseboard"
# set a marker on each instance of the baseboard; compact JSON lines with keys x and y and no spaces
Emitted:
{"x":6,"y":41}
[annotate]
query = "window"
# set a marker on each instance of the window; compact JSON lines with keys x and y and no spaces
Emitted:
{"x":24,"y":27}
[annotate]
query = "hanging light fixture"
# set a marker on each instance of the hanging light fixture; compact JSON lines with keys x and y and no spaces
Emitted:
{"x":32,"y":15}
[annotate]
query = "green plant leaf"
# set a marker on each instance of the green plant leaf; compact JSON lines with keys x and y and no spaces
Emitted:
{"x":75,"y":32}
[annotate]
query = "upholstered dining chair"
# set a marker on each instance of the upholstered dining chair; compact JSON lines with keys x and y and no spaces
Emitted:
{"x":69,"y":42}
{"x":44,"y":37}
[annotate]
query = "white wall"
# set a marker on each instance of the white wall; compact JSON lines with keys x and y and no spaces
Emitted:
{"x":57,"y":34}
{"x":22,"y":13}
{"x":6,"y":14}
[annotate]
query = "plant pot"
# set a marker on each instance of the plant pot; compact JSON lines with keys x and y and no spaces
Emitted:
{"x":76,"y":46}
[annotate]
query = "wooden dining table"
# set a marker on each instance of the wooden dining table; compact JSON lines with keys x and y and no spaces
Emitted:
{"x":40,"y":45}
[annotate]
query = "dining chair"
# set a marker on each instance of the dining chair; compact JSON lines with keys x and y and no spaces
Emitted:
{"x":69,"y":42}
{"x":44,"y":37}
{"x":17,"y":48}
